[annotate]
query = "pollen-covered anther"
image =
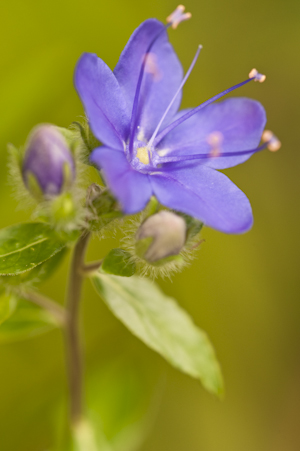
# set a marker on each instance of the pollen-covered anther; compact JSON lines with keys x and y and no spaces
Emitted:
{"x":143,"y":155}
{"x":257,"y":76}
{"x":273,"y":143}
{"x":215,"y":140}
{"x":178,"y":16}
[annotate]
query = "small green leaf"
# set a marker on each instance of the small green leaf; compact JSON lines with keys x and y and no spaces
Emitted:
{"x":27,"y":321}
{"x":162,"y":325}
{"x":24,"y":246}
{"x":7,"y":306}
{"x":119,"y":263}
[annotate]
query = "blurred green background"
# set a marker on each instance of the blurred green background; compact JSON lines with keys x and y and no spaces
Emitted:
{"x":243,"y":290}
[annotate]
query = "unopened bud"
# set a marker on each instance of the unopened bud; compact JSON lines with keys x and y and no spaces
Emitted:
{"x":48,"y":166}
{"x":160,"y":236}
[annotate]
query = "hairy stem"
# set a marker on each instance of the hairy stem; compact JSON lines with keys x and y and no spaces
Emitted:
{"x":74,"y":360}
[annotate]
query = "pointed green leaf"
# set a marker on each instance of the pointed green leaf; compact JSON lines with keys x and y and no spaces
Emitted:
{"x":161,"y":324}
{"x":27,"y":321}
{"x":36,"y":275}
{"x":119,"y":263}
{"x":24,"y":246}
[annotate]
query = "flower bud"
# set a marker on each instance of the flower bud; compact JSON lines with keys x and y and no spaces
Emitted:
{"x":160,"y":236}
{"x":48,"y":166}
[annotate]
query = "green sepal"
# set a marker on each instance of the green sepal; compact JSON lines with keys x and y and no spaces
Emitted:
{"x":152,"y":207}
{"x":104,"y":220}
{"x":193,"y":225}
{"x":161,"y":324}
{"x":33,"y":187}
{"x":172,"y":258}
{"x":63,"y":209}
{"x":103,"y":207}
{"x":67,"y":177}
{"x":25,"y":246}
{"x":141,"y":246}
{"x":16,"y":155}
{"x":119,"y":263}
{"x":89,"y":140}
{"x":71,"y":137}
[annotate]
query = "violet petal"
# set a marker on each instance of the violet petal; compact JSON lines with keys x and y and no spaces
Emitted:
{"x":131,"y":188}
{"x":103,"y":100}
{"x":240,"y":120}
{"x":161,"y":79}
{"x":206,"y":194}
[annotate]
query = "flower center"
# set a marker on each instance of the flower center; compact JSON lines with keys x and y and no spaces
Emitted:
{"x":143,"y":155}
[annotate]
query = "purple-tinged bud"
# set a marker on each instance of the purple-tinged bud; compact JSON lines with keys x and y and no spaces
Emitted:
{"x":161,"y":236}
{"x":48,"y":166}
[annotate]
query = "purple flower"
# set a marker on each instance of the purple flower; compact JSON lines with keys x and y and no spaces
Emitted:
{"x":151,"y":149}
{"x":48,"y":160}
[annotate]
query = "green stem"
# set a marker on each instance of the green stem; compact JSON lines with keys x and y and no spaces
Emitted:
{"x":90,"y":268}
{"x":74,"y":359}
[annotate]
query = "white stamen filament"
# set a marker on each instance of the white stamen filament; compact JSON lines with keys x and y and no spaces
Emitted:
{"x":175,"y":96}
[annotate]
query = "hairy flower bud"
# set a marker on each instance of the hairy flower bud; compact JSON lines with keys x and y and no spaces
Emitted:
{"x":162,"y":235}
{"x":48,"y":166}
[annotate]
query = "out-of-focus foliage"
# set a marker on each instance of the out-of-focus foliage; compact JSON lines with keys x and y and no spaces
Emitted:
{"x":243,"y":290}
{"x":25,"y":321}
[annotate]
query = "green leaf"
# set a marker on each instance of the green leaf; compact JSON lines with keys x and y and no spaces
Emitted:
{"x":46,"y":269}
{"x":162,"y":325}
{"x":24,"y":246}
{"x":119,"y":263}
{"x":27,"y":321}
{"x":37,"y":274}
{"x":7,"y":306}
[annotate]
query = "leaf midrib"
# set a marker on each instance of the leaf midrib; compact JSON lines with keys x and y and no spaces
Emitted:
{"x":25,"y":247}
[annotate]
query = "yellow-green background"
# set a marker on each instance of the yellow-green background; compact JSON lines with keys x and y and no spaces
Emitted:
{"x":243,"y":290}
